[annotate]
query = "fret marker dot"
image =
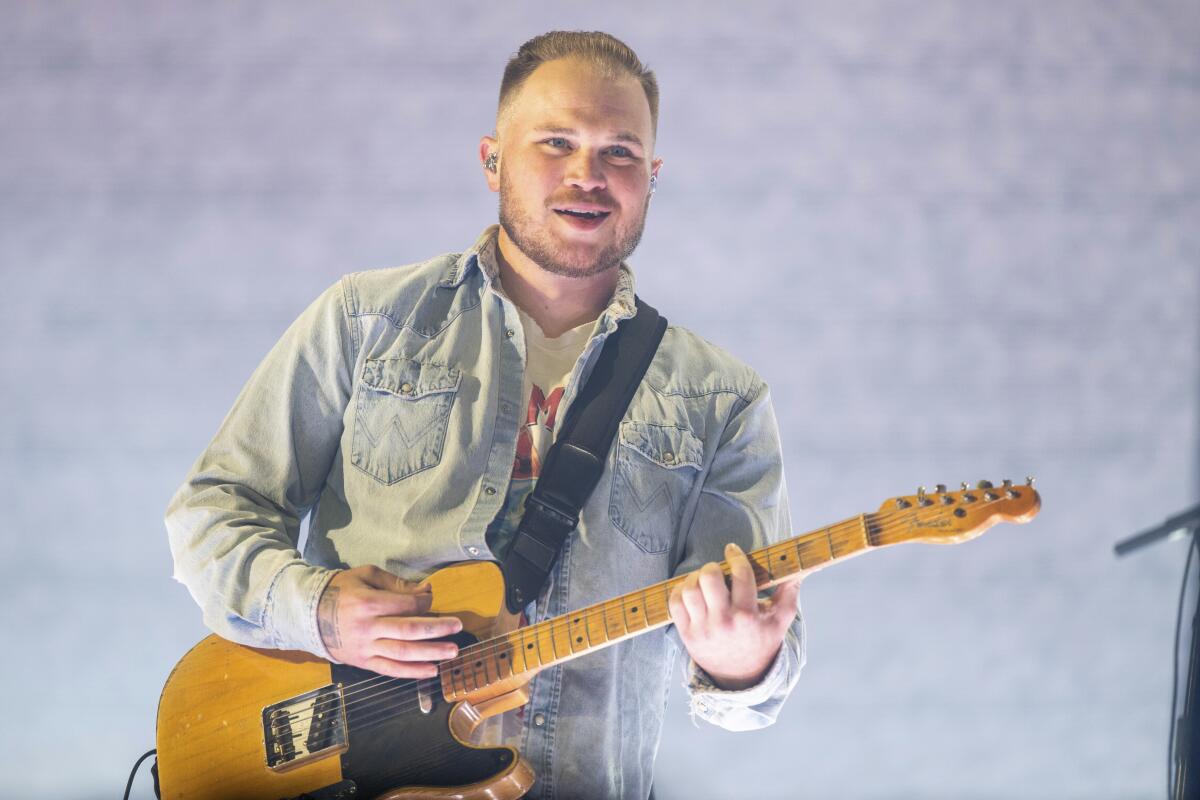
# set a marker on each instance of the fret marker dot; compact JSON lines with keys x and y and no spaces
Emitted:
{"x":634,"y":609}
{"x":578,"y":640}
{"x":479,"y":663}
{"x":504,"y":655}
{"x":783,"y":558}
{"x":528,"y":647}
{"x":457,"y":671}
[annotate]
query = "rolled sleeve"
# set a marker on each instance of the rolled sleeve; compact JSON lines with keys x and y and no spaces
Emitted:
{"x":744,"y":500}
{"x":234,"y":524}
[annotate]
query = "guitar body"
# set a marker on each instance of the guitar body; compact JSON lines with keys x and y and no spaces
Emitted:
{"x":241,"y":723}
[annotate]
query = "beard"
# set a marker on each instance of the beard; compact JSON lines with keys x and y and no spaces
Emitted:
{"x":561,"y":258}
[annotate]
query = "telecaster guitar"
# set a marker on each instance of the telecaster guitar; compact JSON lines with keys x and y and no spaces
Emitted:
{"x":239,"y":723}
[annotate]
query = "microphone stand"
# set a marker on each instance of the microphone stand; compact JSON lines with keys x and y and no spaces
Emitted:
{"x":1184,"y":776}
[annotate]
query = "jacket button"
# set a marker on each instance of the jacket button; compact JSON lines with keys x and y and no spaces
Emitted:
{"x":406,"y":388}
{"x":510,"y":333}
{"x":539,"y":719}
{"x":473,"y":550}
{"x":669,"y":457}
{"x":490,"y":490}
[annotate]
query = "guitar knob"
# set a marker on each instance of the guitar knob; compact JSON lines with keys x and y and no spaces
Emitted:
{"x":983,"y":485}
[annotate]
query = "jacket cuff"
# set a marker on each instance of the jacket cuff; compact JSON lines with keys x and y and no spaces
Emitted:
{"x":710,"y":702}
{"x":291,"y":611}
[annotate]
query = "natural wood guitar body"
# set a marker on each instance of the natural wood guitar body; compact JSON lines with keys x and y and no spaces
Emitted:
{"x":211,"y":730}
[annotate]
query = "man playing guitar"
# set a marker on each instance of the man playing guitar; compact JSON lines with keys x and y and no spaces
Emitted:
{"x":406,"y":412}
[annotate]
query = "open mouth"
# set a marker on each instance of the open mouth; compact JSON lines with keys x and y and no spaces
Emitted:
{"x":570,"y":212}
{"x":583,"y":219}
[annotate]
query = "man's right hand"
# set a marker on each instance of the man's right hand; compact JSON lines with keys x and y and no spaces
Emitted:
{"x":372,"y":619}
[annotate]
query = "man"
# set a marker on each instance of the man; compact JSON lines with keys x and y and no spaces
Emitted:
{"x":409,"y":410}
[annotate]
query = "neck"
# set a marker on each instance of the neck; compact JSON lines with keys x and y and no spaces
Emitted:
{"x":556,"y":302}
{"x":517,"y":655}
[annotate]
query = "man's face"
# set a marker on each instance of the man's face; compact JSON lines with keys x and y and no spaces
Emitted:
{"x":575,"y":167}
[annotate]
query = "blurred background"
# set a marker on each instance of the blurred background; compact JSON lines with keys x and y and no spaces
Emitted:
{"x":960,"y":239}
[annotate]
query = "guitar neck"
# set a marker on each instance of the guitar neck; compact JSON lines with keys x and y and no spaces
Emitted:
{"x":514,"y":657}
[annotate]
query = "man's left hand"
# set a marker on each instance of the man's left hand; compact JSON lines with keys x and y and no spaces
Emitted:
{"x":728,"y":631}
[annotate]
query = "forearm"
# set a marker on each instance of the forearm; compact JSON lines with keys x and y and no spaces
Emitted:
{"x":234,"y":524}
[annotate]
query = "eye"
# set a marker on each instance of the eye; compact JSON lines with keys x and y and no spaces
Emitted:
{"x":621,"y":152}
{"x":556,"y":142}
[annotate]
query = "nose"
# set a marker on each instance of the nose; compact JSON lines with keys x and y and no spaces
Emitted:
{"x":585,"y":171}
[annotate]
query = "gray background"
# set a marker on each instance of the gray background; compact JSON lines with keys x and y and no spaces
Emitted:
{"x":959,"y":238}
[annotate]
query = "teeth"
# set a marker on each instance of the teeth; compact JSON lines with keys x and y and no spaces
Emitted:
{"x":586,"y":214}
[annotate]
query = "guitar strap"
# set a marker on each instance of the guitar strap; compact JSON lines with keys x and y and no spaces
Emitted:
{"x":575,"y":462}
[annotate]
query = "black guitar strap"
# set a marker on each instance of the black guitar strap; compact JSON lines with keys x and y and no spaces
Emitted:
{"x":575,"y":462}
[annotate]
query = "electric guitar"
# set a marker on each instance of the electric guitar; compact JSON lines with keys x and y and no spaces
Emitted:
{"x":240,"y":723}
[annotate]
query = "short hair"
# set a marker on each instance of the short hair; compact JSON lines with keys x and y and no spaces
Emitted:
{"x":601,"y":50}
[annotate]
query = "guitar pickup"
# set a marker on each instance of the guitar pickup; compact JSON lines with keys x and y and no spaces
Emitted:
{"x":304,"y":728}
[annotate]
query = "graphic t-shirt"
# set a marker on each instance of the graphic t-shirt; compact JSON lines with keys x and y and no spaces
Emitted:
{"x":548,"y":365}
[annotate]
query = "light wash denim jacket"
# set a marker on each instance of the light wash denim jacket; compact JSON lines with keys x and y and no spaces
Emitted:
{"x":390,"y":411}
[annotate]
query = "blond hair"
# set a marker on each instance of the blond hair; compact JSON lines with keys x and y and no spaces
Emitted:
{"x":603,"y":51}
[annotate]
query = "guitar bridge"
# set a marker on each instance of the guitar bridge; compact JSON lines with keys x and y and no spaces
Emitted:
{"x":304,"y":728}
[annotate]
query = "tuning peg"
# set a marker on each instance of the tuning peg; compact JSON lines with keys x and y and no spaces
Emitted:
{"x":1007,"y":483}
{"x":983,"y":485}
{"x":940,"y":488}
{"x":1029,"y":479}
{"x":922,"y":500}
{"x":964,"y":486}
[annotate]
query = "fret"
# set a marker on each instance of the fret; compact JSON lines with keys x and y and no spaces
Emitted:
{"x":613,"y":626}
{"x":528,"y":650}
{"x":867,"y":526}
{"x":594,"y":620}
{"x":560,"y":635}
{"x":577,"y":631}
{"x":832,"y":551}
{"x":479,"y":671}
{"x":546,"y":644}
{"x":457,"y":684}
{"x":800,"y":554}
{"x":634,"y":613}
{"x":504,"y":665}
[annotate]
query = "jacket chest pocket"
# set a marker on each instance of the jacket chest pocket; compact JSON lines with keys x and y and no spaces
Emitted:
{"x":401,"y":417}
{"x":656,"y":468}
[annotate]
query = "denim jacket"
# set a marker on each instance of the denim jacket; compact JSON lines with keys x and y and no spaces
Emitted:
{"x":389,"y":412}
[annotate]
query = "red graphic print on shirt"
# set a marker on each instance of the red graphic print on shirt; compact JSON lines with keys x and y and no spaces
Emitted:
{"x":537,"y":433}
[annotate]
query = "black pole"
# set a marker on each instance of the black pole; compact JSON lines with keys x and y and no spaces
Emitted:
{"x":1187,"y":726}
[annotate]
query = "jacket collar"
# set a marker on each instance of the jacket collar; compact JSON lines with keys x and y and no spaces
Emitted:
{"x":482,"y":256}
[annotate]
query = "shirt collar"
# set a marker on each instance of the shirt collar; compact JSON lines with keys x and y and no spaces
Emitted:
{"x":482,"y":256}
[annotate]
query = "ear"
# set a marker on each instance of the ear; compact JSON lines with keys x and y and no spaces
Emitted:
{"x":655,"y":166}
{"x":487,"y":146}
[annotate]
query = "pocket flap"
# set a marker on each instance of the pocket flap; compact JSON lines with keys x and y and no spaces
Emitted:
{"x":409,"y":379}
{"x":665,"y":445}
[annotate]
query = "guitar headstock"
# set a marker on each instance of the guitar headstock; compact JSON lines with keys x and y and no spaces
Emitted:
{"x":944,"y":517}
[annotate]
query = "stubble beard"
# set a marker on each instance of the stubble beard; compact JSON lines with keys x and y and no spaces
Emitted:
{"x":536,"y":241}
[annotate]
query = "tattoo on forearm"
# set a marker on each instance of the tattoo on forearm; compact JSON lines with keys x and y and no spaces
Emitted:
{"x":327,"y":622}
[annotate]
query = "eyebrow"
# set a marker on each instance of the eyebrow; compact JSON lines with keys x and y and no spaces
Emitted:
{"x":623,"y":136}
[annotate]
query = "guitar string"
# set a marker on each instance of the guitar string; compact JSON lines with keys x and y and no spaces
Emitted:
{"x":381,"y":714}
{"x":558,"y":627}
{"x":486,"y":648}
{"x":483,"y":650}
{"x":408,"y":705}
